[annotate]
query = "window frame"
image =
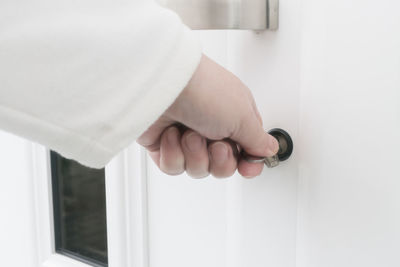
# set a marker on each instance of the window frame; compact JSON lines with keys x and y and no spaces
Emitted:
{"x":57,"y":221}
{"x":126,"y":204}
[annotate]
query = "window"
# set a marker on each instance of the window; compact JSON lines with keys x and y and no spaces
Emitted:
{"x":79,"y":211}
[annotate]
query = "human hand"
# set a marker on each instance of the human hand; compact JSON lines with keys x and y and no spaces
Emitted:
{"x":201,"y":132}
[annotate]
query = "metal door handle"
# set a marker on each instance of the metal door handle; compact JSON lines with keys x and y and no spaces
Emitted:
{"x":226,"y":14}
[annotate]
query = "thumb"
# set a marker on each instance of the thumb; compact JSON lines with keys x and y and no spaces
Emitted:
{"x":254,"y":139}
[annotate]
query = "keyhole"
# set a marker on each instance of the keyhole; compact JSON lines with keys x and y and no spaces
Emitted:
{"x":285,"y":143}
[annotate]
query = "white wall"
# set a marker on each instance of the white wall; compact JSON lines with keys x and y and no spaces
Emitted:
{"x":350,"y":134}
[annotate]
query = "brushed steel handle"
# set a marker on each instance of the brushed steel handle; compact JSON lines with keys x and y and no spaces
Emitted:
{"x":226,"y":14}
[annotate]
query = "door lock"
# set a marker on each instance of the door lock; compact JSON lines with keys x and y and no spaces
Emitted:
{"x":284,"y":152}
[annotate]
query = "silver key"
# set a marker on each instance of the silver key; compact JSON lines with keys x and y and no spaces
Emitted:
{"x":270,"y":162}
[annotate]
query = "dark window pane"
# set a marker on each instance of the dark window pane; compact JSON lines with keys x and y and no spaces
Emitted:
{"x":79,"y":211}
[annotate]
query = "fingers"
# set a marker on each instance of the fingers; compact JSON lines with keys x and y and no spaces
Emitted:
{"x":195,"y":151}
{"x":190,"y":152}
{"x":172,"y":160}
{"x":249,"y":170}
{"x":223,"y":162}
{"x":150,"y":139}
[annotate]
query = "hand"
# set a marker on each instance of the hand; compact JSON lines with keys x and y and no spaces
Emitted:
{"x":201,"y":132}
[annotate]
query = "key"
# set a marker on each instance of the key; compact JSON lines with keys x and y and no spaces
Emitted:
{"x":270,"y":162}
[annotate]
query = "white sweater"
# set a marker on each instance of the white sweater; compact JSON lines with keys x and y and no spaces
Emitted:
{"x":86,"y":77}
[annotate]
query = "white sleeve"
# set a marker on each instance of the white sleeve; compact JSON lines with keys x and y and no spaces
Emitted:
{"x":85,"y":78}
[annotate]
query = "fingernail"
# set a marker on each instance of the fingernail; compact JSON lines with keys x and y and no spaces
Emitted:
{"x":172,"y":135}
{"x":194,"y":142}
{"x":273,"y":146}
{"x":219,"y":153}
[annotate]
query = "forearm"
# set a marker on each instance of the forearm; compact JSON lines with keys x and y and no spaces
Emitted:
{"x":86,"y":79}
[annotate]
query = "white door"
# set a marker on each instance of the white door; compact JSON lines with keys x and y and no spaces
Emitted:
{"x":330,"y":76}
{"x":349,"y":175}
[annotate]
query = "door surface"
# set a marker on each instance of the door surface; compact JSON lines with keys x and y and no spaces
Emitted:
{"x":330,"y":76}
{"x":349,"y":179}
